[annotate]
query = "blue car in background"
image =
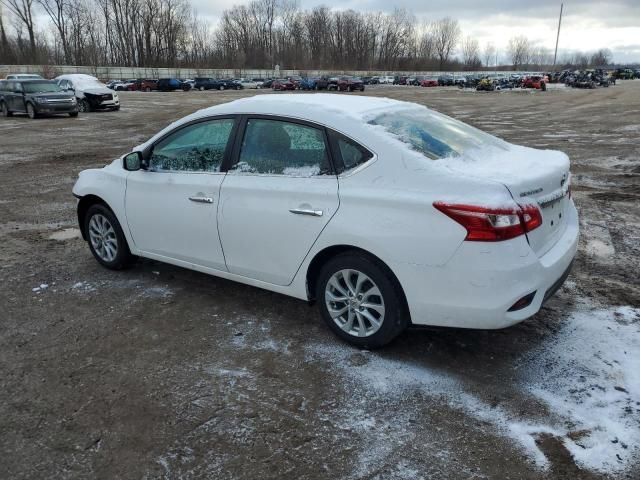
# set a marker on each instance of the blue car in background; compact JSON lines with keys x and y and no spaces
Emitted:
{"x":317,"y":83}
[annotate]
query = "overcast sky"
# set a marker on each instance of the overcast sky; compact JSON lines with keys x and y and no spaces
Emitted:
{"x":587,"y":25}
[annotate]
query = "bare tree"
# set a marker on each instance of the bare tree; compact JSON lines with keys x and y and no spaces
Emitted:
{"x":446,"y":33}
{"x":58,"y":12}
{"x":23,"y":10}
{"x":471,"y":53}
{"x":519,"y":50}
{"x":489,"y":54}
{"x":5,"y":49}
{"x":601,"y":58}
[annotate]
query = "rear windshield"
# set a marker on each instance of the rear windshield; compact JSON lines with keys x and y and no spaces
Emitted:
{"x":40,"y":87}
{"x":433,"y":134}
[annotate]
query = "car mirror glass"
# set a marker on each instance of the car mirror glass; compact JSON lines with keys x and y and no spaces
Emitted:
{"x":133,"y":161}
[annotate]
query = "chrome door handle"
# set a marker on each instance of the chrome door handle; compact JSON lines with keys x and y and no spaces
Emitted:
{"x":201,"y":199}
{"x":304,"y":211}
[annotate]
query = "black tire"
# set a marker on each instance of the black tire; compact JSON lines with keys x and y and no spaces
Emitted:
{"x":123,"y":257}
{"x":31,"y":111}
{"x":148,"y":89}
{"x":221,"y":87}
{"x":84,"y":106}
{"x":5,"y":110}
{"x":115,"y":109}
{"x":73,"y":114}
{"x":396,"y":316}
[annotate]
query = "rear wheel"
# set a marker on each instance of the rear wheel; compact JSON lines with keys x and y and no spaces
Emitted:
{"x":31,"y":111}
{"x":5,"y":110}
{"x":360,"y":300}
{"x":221,"y":87}
{"x":148,"y":89}
{"x":106,"y":239}
{"x":73,"y":114}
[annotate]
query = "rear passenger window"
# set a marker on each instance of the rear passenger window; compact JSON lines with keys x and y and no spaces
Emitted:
{"x":275,"y":147}
{"x":352,"y":154}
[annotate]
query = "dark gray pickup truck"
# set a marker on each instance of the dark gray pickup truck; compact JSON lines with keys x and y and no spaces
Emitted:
{"x":35,"y":97}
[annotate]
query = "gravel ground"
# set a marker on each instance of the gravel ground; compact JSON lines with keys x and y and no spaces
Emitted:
{"x":160,"y":372}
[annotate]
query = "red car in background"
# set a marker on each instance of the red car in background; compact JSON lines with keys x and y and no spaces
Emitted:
{"x":148,"y":84}
{"x":535,"y":81}
{"x":429,"y":82}
{"x":350,"y":84}
{"x":297,"y":81}
{"x":283,"y":84}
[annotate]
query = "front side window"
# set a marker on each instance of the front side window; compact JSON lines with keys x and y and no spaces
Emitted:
{"x":275,"y":147}
{"x":196,"y":148}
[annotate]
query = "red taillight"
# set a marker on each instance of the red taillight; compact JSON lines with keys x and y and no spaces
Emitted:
{"x":486,"y":224}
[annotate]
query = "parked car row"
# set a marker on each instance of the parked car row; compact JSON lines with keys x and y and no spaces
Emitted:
{"x":66,"y":94}
{"x":173,"y":84}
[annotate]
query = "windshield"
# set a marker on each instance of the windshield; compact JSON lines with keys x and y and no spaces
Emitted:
{"x":90,"y":83}
{"x":40,"y":87}
{"x":433,"y":134}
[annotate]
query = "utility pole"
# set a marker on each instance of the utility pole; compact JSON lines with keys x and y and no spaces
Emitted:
{"x":555,"y":55}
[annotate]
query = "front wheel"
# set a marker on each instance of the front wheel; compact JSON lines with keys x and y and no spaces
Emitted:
{"x":361,"y":301}
{"x":83,"y":106}
{"x":73,"y":114}
{"x":31,"y":111}
{"x":221,"y":87}
{"x":106,"y":238}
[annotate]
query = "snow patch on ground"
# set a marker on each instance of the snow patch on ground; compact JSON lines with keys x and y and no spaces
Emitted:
{"x":65,"y":234}
{"x":588,"y":375}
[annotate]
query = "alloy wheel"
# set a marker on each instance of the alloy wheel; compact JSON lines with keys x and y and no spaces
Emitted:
{"x":103,"y":237}
{"x":354,"y":302}
{"x":31,"y":111}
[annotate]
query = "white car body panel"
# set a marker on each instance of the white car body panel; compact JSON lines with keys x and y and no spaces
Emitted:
{"x":260,"y":236}
{"x":157,"y":199}
{"x":384,"y":207}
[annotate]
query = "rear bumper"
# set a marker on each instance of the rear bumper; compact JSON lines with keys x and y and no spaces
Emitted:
{"x":478,"y":285}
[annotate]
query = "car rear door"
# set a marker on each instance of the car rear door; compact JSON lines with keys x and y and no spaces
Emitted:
{"x":171,"y":206}
{"x":279,"y":193}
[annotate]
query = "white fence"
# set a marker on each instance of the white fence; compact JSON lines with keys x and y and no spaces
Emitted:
{"x":121,"y":73}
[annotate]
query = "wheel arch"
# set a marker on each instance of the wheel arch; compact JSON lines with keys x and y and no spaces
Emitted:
{"x":324,"y":255}
{"x":83,"y":206}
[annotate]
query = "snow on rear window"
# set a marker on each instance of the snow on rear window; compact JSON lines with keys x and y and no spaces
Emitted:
{"x":433,"y":134}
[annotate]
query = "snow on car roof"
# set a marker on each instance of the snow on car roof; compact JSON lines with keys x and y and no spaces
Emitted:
{"x":307,"y":104}
{"x":77,"y":76}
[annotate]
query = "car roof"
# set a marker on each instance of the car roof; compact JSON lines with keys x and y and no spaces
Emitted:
{"x":76,"y":76}
{"x":339,"y":112}
{"x":284,"y":104}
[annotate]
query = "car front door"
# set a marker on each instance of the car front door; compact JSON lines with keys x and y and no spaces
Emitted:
{"x":279,"y":193}
{"x":171,"y":206}
{"x":16,"y":99}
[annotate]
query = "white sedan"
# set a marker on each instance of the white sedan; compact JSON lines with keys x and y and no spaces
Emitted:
{"x":384,"y":213}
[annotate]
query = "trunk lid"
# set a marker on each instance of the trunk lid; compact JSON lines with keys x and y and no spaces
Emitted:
{"x":538,"y":177}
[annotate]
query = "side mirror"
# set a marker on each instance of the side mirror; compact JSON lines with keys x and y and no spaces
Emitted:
{"x":133,"y":161}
